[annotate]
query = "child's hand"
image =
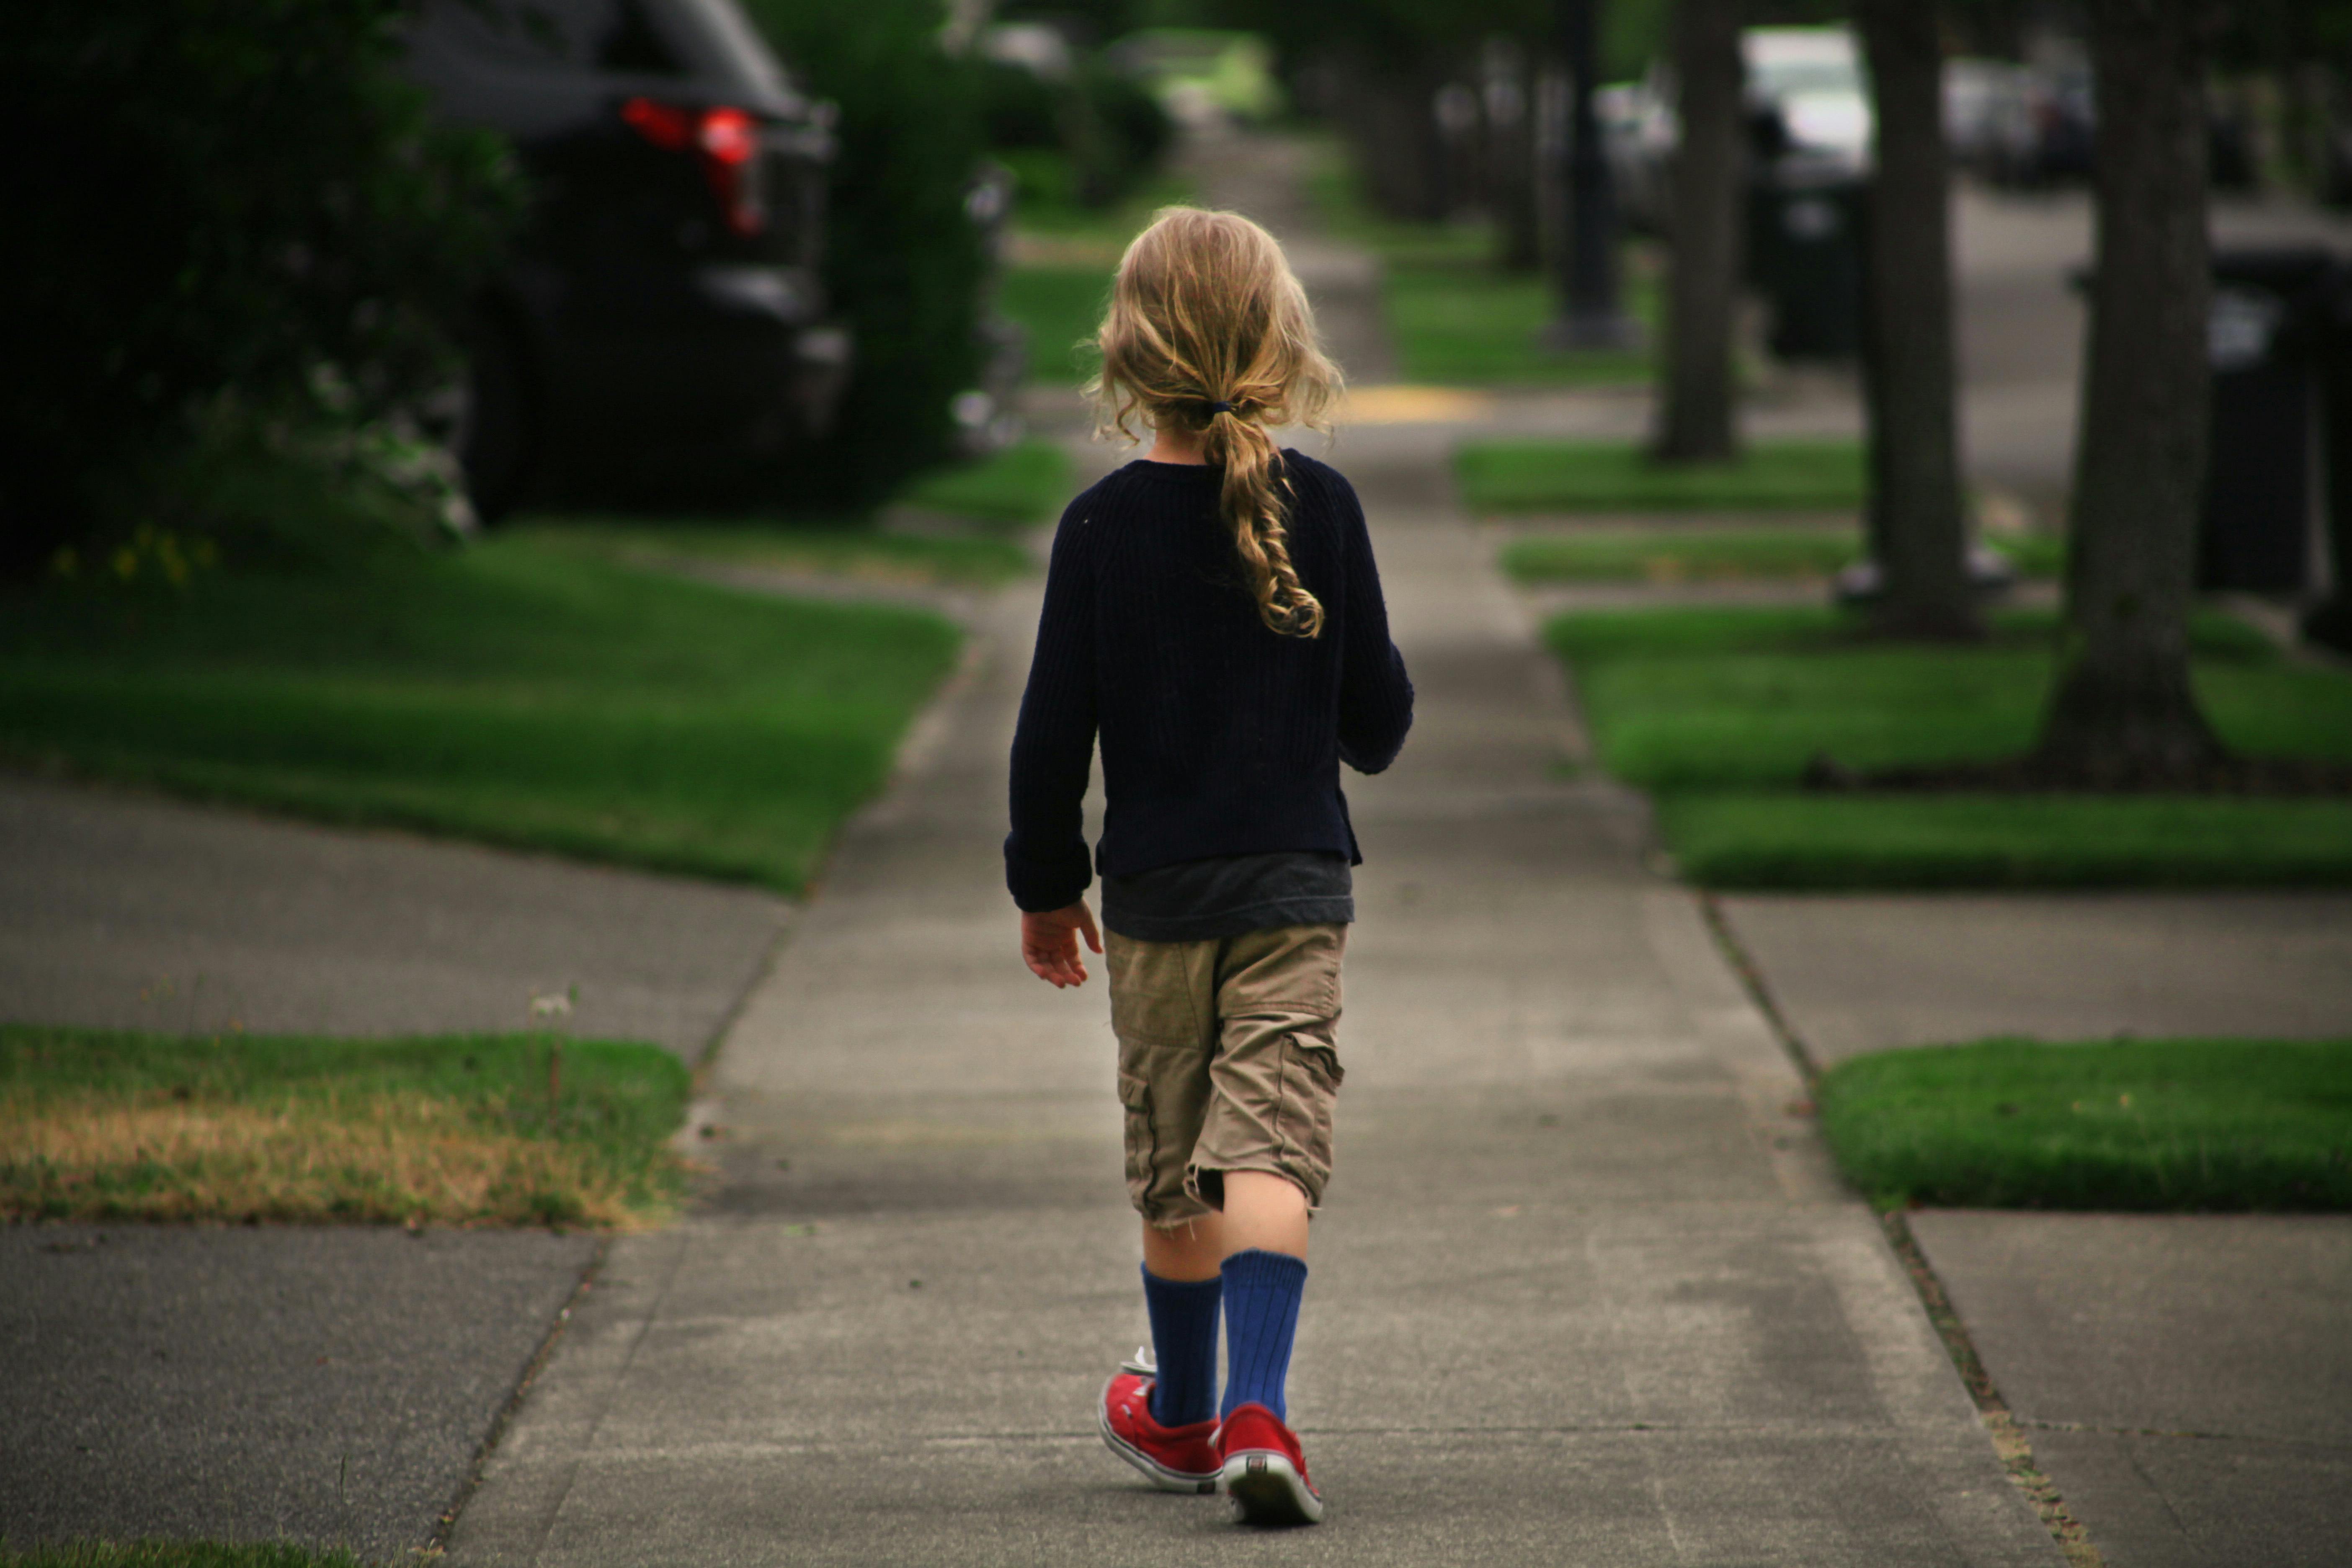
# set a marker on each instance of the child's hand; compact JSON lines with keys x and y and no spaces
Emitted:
{"x":1049,"y":944}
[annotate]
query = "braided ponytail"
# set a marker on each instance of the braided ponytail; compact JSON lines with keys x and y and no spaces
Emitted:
{"x":1209,"y":332}
{"x":1251,"y":500}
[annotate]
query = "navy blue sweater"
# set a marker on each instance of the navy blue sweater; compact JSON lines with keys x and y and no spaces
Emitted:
{"x":1219,"y":735}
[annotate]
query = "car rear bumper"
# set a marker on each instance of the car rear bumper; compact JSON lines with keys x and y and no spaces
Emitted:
{"x":740,"y":359}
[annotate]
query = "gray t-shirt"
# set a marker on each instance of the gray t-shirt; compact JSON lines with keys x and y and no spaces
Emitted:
{"x":1227,"y":895}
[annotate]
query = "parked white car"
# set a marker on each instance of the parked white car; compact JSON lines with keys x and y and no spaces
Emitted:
{"x":1809,"y":82}
{"x":1807,"y":95}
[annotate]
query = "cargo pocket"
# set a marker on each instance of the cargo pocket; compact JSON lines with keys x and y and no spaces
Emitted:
{"x":1151,"y":999}
{"x":1311,"y":1076}
{"x":1142,"y":1140}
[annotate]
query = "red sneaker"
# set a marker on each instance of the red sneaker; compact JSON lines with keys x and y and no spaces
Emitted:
{"x":1263,"y":1469}
{"x":1176,"y":1459}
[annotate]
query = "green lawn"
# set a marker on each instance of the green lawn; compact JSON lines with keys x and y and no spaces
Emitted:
{"x":1691,"y":556}
{"x":1059,"y":284}
{"x":175,"y":1554}
{"x":1469,"y":321}
{"x":1795,"y":839}
{"x":853,"y":552}
{"x":515,"y":692}
{"x":1719,"y":710}
{"x":1452,"y":314}
{"x":996,"y":496}
{"x":1059,"y":306}
{"x":1025,"y":483}
{"x":1564,"y":476}
{"x":1059,"y":216}
{"x":2165,"y":1125}
{"x":460,"y":1130}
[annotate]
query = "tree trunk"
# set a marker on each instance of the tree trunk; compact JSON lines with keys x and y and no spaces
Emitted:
{"x":1918,"y":536}
{"x":1703,"y":279}
{"x":2122,"y":714}
{"x":1511,"y":167}
{"x":1385,"y":109}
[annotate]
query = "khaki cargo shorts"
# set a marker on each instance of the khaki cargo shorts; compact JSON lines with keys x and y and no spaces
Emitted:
{"x":1227,"y":1061}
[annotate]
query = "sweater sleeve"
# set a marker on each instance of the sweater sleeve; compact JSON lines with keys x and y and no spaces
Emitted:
{"x":1046,"y":865}
{"x":1375,"y":693}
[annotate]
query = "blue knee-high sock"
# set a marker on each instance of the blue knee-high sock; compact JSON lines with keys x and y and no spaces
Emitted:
{"x":1185,"y":1341}
{"x":1262,"y":1292}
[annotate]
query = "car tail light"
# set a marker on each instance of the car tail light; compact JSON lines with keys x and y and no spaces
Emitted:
{"x":725,"y":141}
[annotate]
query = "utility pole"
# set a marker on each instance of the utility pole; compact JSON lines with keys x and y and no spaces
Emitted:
{"x":1593,"y":315}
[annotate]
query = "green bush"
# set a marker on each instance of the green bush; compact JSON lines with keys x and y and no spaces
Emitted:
{"x":1018,"y":107}
{"x":1088,"y":141}
{"x":212,"y":197}
{"x":1123,"y":134}
{"x":903,"y":260}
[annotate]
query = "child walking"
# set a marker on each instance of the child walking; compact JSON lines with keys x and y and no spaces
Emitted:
{"x":1213,"y":618}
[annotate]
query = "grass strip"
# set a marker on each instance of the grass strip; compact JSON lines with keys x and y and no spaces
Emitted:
{"x":1454,"y":315}
{"x":1036,"y":216}
{"x":1581,"y":476}
{"x":1768,"y":840}
{"x":1742,"y":697}
{"x":1666,"y":555}
{"x":513,"y":693}
{"x":853,"y":553}
{"x":1471,"y":322}
{"x":1058,"y":284}
{"x":1719,"y":710}
{"x":469,"y":1130}
{"x":1059,"y":306}
{"x":1025,"y":483}
{"x":175,"y":1554}
{"x":2148,"y":1125}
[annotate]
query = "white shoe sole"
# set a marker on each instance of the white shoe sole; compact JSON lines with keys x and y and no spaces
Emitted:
{"x":1267,"y":1489}
{"x":1159,"y":1475}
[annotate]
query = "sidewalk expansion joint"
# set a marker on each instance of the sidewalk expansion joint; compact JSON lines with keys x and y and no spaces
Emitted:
{"x":2008,"y":1432}
{"x":439,"y":1542}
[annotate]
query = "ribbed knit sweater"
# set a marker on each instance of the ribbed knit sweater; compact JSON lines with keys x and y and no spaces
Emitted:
{"x":1219,"y":736}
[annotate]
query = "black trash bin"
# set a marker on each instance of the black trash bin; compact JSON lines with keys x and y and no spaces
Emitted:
{"x":2329,"y":622}
{"x":2264,"y":340}
{"x":1805,"y":240}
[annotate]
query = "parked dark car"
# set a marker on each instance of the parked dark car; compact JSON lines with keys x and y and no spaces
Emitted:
{"x":664,"y":314}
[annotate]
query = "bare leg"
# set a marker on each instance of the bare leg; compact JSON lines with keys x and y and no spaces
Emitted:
{"x":1261,"y":1210}
{"x":1265,"y":1211}
{"x":1190,"y":1251}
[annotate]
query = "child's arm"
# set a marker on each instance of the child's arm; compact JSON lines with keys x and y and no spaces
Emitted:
{"x":1375,"y":693}
{"x":1046,"y":865}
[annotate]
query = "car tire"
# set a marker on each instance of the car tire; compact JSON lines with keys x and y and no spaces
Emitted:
{"x":498,"y":442}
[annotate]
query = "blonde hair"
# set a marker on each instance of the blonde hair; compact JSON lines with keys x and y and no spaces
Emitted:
{"x":1210,"y":331}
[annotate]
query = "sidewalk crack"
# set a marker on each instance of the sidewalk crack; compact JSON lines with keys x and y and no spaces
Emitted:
{"x":2008,"y":1432}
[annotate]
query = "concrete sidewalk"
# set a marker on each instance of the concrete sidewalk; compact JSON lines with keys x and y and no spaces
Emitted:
{"x":1584,"y":1289}
{"x":2186,"y":1380}
{"x":1855,"y":973}
{"x":330,"y":1385}
{"x":125,"y":911}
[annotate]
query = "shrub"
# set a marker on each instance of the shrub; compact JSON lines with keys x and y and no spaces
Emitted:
{"x":210,"y":198}
{"x":1088,"y":141}
{"x":904,"y":261}
{"x":1126,"y":133}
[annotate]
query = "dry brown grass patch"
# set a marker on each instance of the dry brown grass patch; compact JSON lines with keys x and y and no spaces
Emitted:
{"x":397,"y":1157}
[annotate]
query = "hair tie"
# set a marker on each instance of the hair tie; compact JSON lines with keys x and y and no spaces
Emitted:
{"x":1219,"y":407}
